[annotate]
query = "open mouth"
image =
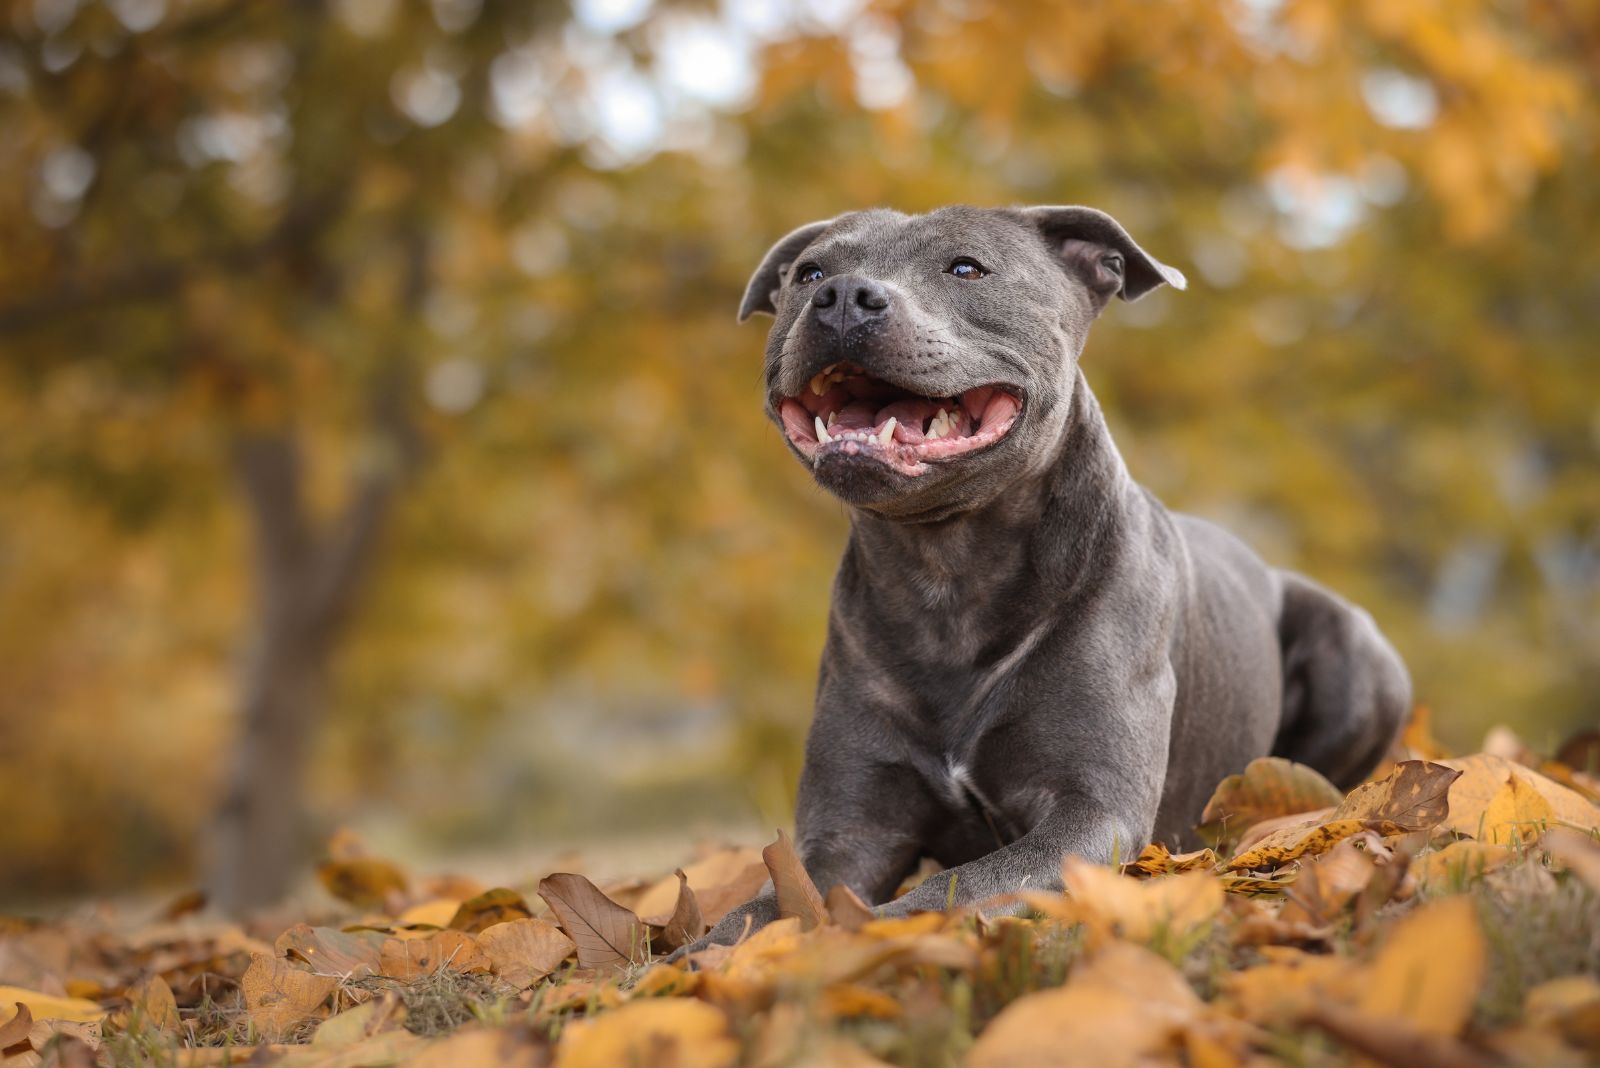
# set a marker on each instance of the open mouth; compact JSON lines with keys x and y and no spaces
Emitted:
{"x":846,"y":411}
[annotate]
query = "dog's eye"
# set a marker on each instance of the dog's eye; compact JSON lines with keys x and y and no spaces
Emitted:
{"x":967,"y":268}
{"x":807,"y":273}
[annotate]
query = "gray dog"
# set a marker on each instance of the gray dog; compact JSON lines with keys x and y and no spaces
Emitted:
{"x":1027,"y":654}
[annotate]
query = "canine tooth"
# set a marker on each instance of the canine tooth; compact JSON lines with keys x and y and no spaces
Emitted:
{"x":831,"y":417}
{"x":887,"y":433}
{"x":822,"y":431}
{"x":819,"y":383}
{"x":828,"y":370}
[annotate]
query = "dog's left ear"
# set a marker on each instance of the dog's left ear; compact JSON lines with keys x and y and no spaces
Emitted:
{"x":762,"y":293}
{"x":1096,"y":249}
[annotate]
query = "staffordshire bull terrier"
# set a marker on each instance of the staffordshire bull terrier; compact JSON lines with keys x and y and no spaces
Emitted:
{"x":1027,"y":654}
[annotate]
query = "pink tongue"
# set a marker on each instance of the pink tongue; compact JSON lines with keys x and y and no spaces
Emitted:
{"x":796,"y":420}
{"x":857,"y":415}
{"x":1001,"y":406}
{"x":912,"y":413}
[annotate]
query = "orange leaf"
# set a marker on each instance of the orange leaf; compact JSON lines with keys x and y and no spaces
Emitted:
{"x":685,"y":924}
{"x":489,"y":908}
{"x":524,"y":951}
{"x":279,"y":996}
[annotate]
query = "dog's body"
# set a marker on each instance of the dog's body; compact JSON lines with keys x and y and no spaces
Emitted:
{"x":1027,"y":655}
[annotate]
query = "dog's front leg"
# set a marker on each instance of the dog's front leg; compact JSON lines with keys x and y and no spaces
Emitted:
{"x":858,"y":822}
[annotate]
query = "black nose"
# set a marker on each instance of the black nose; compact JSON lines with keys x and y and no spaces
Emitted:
{"x":849,"y":300}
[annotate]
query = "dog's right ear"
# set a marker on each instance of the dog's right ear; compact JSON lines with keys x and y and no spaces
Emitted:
{"x":761,"y":295}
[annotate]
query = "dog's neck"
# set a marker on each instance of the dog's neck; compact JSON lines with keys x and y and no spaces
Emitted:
{"x":1045,"y":534}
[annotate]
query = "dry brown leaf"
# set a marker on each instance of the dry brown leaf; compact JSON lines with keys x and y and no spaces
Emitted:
{"x":1569,"y":1006}
{"x":797,"y":894}
{"x":665,"y":1032}
{"x":1291,"y":843}
{"x":708,"y":875}
{"x":1427,"y":971}
{"x":279,"y":996}
{"x":847,"y":910}
{"x":1327,"y":884}
{"x":1412,"y":797}
{"x":1267,"y":828}
{"x":410,"y":958}
{"x":524,"y":951}
{"x":685,"y":924}
{"x":382,"y":1050}
{"x":1517,"y":813}
{"x":609,"y":937}
{"x":1137,"y":908}
{"x":15,"y":1029}
{"x":154,"y":1004}
{"x":1482,"y":778}
{"x":1578,"y":853}
{"x":1268,"y":788}
{"x":498,"y":905}
{"x":365,"y":882}
{"x":1283,"y":988}
{"x":347,"y":955}
{"x":501,"y":1047}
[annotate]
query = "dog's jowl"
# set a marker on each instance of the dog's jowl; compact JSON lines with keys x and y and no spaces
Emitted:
{"x":1027,"y":654}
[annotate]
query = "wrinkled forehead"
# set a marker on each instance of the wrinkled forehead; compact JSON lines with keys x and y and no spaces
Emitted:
{"x":880,"y":240}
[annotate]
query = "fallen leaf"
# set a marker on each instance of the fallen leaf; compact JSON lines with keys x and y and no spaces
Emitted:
{"x":366,"y":1019}
{"x":1418,"y":736}
{"x":1460,"y":860}
{"x":1267,"y":828}
{"x":847,"y":910}
{"x":1327,"y":884}
{"x":435,"y":914}
{"x":1130,"y":1008}
{"x":1394,"y":1041}
{"x":1291,"y":843}
{"x":658,"y":1032}
{"x":49,"y":1007}
{"x":326,"y":951}
{"x":489,"y":908}
{"x":609,"y":937}
{"x":1268,"y":787}
{"x":1156,"y":859}
{"x":710,"y":876}
{"x":1484,"y":776}
{"x":365,"y":882}
{"x":15,"y":1029}
{"x":685,"y":924}
{"x":1412,"y":797}
{"x":1137,"y":908}
{"x":1570,"y":1006}
{"x":279,"y":996}
{"x":154,"y":1004}
{"x":1427,"y":971}
{"x":382,"y":1050}
{"x":524,"y":951}
{"x":410,"y":958}
{"x":797,"y":894}
{"x":500,"y":1047}
{"x":1280,"y":990}
{"x":1517,"y":813}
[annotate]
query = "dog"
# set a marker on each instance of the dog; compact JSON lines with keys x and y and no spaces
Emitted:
{"x":1027,"y":656}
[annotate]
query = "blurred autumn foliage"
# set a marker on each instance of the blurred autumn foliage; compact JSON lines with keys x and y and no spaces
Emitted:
{"x":370,"y":368}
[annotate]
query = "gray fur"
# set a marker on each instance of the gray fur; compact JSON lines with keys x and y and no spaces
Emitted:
{"x":1027,"y":654}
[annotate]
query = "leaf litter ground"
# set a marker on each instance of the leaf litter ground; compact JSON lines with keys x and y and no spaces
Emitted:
{"x":1446,"y":913}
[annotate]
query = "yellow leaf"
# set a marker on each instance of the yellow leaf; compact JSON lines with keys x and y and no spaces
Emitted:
{"x":1157,"y":859}
{"x":365,"y":882}
{"x":1428,"y":969}
{"x":1482,"y":778}
{"x":436,"y":913}
{"x":153,"y":1001}
{"x":48,"y":1006}
{"x":656,"y":1032}
{"x":1517,"y":813}
{"x":410,"y":958}
{"x":725,"y":874}
{"x":1292,"y":843}
{"x":501,"y":1047}
{"x":1464,"y":859}
{"x":366,"y":1019}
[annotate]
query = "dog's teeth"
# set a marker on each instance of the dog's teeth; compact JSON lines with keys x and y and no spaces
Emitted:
{"x":822,"y":431}
{"x":939,"y":427}
{"x":887,"y":433}
{"x":819,"y":383}
{"x":831,"y":417}
{"x":828,"y":370}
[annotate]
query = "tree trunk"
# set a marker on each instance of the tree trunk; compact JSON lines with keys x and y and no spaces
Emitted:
{"x":306,"y":584}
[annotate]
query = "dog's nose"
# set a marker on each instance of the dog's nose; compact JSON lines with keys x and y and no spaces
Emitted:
{"x":849,"y":300}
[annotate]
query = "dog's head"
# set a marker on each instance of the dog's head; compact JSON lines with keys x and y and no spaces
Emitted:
{"x":921,"y":363}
